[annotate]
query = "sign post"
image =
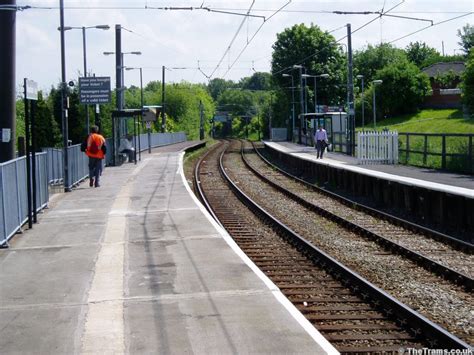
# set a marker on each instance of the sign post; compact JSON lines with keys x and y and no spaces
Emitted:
{"x":31,"y":96}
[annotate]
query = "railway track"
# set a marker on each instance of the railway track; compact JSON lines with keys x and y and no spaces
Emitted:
{"x":353,"y":314}
{"x":453,"y":261}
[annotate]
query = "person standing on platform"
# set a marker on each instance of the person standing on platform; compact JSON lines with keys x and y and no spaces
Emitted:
{"x":321,"y":139}
{"x":95,"y":150}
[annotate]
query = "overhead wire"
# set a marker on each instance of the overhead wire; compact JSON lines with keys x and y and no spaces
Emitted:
{"x":232,"y":41}
{"x":340,"y":39}
{"x":254,"y":35}
{"x":432,"y":25}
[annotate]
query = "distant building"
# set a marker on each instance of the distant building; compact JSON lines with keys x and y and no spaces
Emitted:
{"x":442,"y":96}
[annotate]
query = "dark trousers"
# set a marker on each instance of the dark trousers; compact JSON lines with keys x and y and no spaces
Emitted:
{"x":95,"y":169}
{"x":320,"y":146}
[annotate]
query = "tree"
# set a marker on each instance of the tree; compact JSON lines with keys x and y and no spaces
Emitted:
{"x":258,"y":81}
{"x":318,"y":53}
{"x":419,"y":53}
{"x":466,"y":34}
{"x":368,"y":61}
{"x":48,"y":133}
{"x":403,"y":89}
{"x":217,"y":86}
{"x":467,"y":84}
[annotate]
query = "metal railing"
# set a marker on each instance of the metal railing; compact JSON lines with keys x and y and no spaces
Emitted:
{"x":451,"y":151}
{"x":54,"y":158}
{"x":49,"y":170}
{"x":13,"y":195}
{"x":278,"y":134}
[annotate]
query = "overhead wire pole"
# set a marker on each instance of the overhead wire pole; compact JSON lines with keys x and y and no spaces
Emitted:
{"x":163,"y":104}
{"x":118,"y":90}
{"x":350,"y":82}
{"x":7,"y":79}
{"x":85,"y":75}
{"x":64,"y":108}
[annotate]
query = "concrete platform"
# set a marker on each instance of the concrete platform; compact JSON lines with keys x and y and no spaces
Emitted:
{"x":447,"y":182}
{"x":137,"y":266}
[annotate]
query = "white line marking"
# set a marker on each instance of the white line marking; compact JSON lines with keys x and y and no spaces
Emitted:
{"x":104,"y":324}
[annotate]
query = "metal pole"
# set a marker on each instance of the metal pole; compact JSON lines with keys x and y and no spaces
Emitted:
{"x":163,"y":117}
{"x":139,"y":124}
{"x":305,"y":96}
{"x":201,"y":124}
{"x":28,"y":161}
{"x":135,"y":139}
{"x":118,"y":87}
{"x":315,"y":97}
{"x":7,"y":80}
{"x":301,"y":105}
{"x":64,"y":113}
{"x":363,"y":104}
{"x":85,"y":75}
{"x":270,"y":116}
{"x":33,"y":158}
{"x":292,"y":106}
{"x":350,"y":82}
{"x":374,"y":109}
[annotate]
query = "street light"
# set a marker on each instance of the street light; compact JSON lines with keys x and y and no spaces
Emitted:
{"x":361,"y":77}
{"x":292,"y":102}
{"x":84,"y":28}
{"x":375,"y":82}
{"x":120,"y":84}
{"x":315,"y":89}
{"x":300,"y":67}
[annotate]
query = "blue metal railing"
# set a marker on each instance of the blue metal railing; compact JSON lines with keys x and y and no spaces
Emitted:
{"x":13,"y":196}
{"x":49,"y":170}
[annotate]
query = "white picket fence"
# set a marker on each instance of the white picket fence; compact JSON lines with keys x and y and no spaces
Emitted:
{"x":377,"y":147}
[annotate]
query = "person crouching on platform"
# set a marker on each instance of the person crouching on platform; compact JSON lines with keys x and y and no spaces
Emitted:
{"x":95,"y":150}
{"x":127,"y":148}
{"x":321,"y":139}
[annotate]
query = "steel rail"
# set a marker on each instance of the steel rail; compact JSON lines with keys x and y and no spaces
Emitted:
{"x":197,"y":183}
{"x":408,"y":318}
{"x":421,"y":260}
{"x":441,"y":237}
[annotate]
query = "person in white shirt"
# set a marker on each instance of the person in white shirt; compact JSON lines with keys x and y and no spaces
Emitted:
{"x":321,"y":139}
{"x":126,"y":147}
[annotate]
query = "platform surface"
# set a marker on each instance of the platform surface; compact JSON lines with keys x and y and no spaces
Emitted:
{"x":431,"y":179}
{"x":135,"y":266}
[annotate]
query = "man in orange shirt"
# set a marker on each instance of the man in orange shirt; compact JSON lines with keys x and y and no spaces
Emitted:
{"x":95,"y":150}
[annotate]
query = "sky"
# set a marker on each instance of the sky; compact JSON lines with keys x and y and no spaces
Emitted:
{"x":203,"y":45}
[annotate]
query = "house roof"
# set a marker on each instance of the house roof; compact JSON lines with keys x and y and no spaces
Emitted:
{"x":442,"y":68}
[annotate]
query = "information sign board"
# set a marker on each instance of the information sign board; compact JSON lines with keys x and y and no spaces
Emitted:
{"x":94,"y":90}
{"x":6,"y":135}
{"x":31,"y":90}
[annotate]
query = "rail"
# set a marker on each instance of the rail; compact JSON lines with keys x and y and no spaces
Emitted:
{"x":389,"y":304}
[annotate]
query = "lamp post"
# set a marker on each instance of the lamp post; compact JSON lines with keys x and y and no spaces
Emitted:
{"x":375,"y":82}
{"x":300,"y":67}
{"x":84,"y":28}
{"x":121,"y":100}
{"x":361,"y":77}
{"x":141,"y":106}
{"x":315,"y":87}
{"x":292,"y":103}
